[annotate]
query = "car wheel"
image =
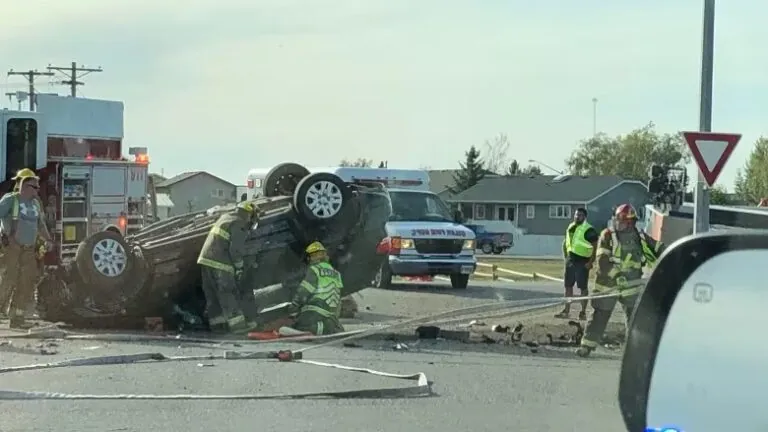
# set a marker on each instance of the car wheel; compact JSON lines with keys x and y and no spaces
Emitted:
{"x":383,"y":277}
{"x":283,"y":179}
{"x":321,"y":197}
{"x":487,"y":248}
{"x":105,"y":259}
{"x":497,"y":251}
{"x":459,"y":281}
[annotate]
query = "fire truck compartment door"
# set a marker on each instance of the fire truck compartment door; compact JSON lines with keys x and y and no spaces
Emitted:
{"x":108,"y":181}
{"x":137,"y":182}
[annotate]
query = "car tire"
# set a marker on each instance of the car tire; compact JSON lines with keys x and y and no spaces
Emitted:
{"x":283,"y":179}
{"x":321,"y":197}
{"x":497,"y":251}
{"x":105,"y":259}
{"x":459,"y":281}
{"x":383,"y":278}
{"x":487,"y":248}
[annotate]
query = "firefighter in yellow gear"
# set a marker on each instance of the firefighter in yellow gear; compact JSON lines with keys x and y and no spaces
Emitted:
{"x":622,"y":252}
{"x":221,"y":263}
{"x":23,"y":223}
{"x":318,"y":297}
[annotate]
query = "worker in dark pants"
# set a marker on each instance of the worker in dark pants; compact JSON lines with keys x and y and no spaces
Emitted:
{"x":221,"y":262}
{"x":579,"y":248}
{"x":318,"y":297}
{"x":23,"y":221}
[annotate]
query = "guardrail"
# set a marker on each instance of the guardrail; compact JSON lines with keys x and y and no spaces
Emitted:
{"x":497,"y":272}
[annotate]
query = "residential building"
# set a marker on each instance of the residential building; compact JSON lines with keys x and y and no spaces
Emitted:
{"x":544,"y":205}
{"x":195,"y":191}
{"x":440,"y":181}
{"x":539,"y":208}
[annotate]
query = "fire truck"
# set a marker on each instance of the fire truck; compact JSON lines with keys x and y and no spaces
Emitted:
{"x":86,"y":184}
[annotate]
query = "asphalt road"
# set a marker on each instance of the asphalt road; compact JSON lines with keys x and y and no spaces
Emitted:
{"x":478,"y":387}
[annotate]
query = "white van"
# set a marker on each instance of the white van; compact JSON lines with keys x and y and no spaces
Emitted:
{"x":422,"y":236}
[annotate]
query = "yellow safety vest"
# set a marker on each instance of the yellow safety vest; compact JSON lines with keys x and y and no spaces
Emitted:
{"x":576,"y":243}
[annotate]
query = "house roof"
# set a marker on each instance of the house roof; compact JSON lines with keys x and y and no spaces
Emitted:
{"x":539,"y":189}
{"x":187,"y":175}
{"x":441,"y":180}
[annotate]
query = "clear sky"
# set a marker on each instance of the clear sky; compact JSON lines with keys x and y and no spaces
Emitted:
{"x":229,"y":85}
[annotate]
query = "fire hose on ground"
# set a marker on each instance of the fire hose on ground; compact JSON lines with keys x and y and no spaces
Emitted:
{"x":422,"y":387}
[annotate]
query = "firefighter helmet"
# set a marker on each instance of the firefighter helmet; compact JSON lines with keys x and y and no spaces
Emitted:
{"x":247,"y":206}
{"x":315,"y":247}
{"x":25,"y":174}
{"x":625,"y":212}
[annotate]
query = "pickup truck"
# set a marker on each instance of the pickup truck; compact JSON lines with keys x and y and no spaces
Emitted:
{"x":490,"y":242}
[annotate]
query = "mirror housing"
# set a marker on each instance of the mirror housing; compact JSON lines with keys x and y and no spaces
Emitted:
{"x":693,"y":358}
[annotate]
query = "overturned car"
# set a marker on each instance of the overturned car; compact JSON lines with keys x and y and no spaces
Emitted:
{"x":119,"y":282}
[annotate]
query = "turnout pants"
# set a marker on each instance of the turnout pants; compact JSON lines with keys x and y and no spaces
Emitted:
{"x":603,"y":309}
{"x":317,"y":324}
{"x":220,"y":289}
{"x":19,"y":279}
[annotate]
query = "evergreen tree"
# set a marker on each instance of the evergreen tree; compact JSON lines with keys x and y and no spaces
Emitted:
{"x":471,"y":172}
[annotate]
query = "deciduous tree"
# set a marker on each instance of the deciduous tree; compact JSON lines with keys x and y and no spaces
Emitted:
{"x":752,"y":180}
{"x":532,"y":170}
{"x":495,"y":154}
{"x":359,"y":162}
{"x":629,"y":156}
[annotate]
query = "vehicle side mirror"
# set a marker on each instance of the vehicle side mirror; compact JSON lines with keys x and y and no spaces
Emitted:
{"x":695,"y":359}
{"x":458,"y":217}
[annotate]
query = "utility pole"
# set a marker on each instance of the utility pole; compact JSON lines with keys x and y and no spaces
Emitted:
{"x":31,"y":76}
{"x":73,"y":72}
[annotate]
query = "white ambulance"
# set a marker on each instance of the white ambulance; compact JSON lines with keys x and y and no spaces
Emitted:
{"x":423,"y":237}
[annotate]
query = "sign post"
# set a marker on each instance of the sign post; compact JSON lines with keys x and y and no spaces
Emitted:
{"x":701,"y":194}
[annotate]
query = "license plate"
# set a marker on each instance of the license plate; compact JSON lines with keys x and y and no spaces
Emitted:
{"x":466,"y":269}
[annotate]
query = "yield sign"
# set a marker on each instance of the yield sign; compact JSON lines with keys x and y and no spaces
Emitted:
{"x":711,"y":151}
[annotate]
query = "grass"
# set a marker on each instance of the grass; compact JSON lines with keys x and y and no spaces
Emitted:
{"x":552,"y":268}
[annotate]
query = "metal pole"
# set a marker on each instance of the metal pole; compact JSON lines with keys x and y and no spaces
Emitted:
{"x":701,"y":196}
{"x":594,"y":117}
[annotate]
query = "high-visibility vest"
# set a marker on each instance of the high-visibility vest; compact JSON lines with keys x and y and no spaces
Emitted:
{"x":576,"y":243}
{"x":323,"y":295}
{"x":15,"y":213}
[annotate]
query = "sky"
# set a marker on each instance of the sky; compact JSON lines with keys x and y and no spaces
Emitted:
{"x":229,"y":85}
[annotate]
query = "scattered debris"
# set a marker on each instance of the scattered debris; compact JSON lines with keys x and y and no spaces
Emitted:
{"x":500,"y":329}
{"x":205,"y":365}
{"x":351,"y":345}
{"x":400,"y":347}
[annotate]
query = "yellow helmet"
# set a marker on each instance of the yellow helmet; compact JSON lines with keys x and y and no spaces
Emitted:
{"x":315,"y":247}
{"x":247,"y":206}
{"x":25,"y":174}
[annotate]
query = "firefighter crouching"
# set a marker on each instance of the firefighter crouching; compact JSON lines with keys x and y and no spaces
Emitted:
{"x":622,"y":251}
{"x":23,"y":222}
{"x":221,"y":262}
{"x":318,"y":297}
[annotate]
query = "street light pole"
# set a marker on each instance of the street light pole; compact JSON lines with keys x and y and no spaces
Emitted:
{"x":594,"y":116}
{"x":701,"y":195}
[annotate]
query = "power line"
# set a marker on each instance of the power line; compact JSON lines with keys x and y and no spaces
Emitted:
{"x":73,"y":72}
{"x":31,"y":76}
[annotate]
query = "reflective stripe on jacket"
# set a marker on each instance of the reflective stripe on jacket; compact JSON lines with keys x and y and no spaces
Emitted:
{"x":576,"y":243}
{"x":215,"y":252}
{"x":615,"y":264}
{"x":320,"y":291}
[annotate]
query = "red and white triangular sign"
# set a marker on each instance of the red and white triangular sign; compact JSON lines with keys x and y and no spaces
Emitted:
{"x":711,"y":151}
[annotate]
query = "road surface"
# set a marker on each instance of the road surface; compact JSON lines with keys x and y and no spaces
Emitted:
{"x":478,"y":387}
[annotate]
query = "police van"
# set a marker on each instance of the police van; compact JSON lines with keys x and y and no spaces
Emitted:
{"x":423,"y":237}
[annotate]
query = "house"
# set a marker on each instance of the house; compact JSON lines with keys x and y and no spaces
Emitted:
{"x":440,"y":181}
{"x":195,"y":191}
{"x":544,"y":205}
